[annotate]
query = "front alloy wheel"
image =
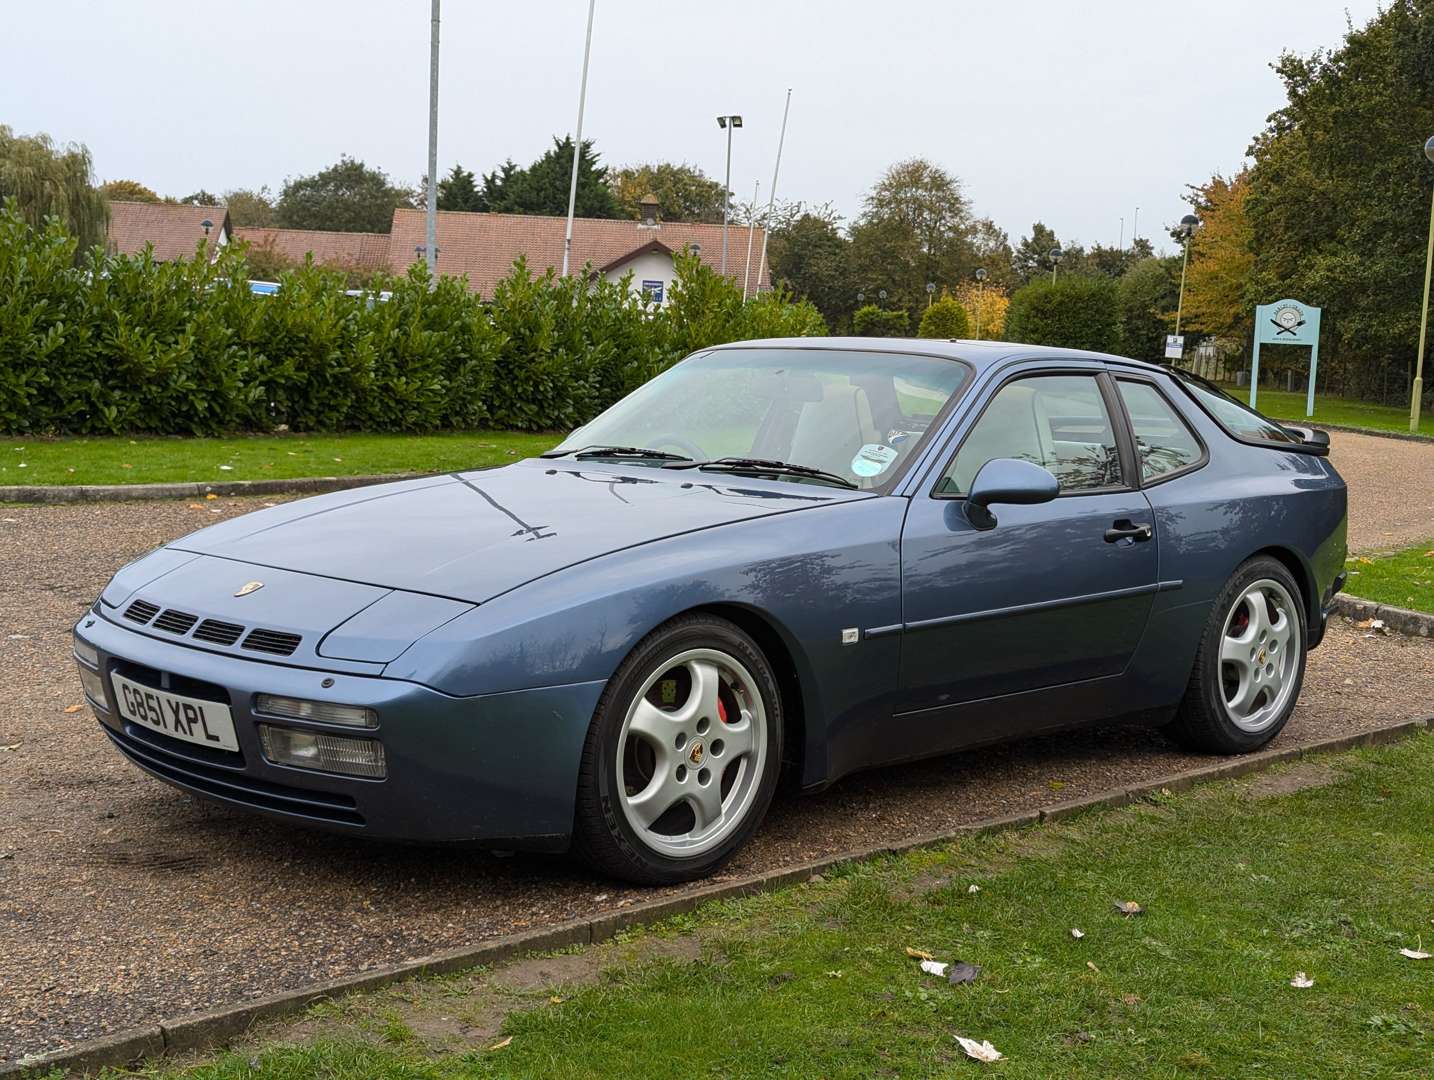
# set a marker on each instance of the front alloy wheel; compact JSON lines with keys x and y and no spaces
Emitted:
{"x":682,"y":757}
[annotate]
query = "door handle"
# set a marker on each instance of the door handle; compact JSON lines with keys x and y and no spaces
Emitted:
{"x":1125,"y":529}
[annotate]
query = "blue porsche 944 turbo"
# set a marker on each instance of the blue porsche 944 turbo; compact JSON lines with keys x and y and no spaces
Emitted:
{"x":790,"y":557}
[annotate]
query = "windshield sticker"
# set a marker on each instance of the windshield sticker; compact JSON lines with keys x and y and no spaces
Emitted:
{"x":873,"y":459}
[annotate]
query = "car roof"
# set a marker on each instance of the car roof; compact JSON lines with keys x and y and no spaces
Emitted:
{"x":979,"y":354}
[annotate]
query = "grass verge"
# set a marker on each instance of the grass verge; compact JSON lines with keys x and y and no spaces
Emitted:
{"x":1324,"y":867}
{"x":164,"y":459}
{"x":1403,"y":579}
{"x":1347,"y":412}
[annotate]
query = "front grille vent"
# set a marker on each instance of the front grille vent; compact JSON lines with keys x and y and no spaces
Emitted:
{"x":175,"y":622}
{"x":272,"y":641}
{"x":218,"y":633}
{"x":141,"y":611}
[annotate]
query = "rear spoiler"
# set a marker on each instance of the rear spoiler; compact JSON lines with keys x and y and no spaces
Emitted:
{"x":1314,"y":440}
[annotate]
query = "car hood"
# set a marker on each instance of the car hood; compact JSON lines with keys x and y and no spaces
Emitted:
{"x":472,"y":536}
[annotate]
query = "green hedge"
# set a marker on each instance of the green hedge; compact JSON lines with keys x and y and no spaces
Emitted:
{"x":127,"y":344}
{"x":873,"y":321}
{"x":1072,"y":312}
{"x":946,"y":319}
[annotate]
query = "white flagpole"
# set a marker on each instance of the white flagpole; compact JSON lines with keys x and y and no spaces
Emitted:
{"x":578,"y":142}
{"x":751,"y":230}
{"x":772,"y":197}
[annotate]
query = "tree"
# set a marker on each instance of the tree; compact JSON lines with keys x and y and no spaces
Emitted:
{"x":346,"y":197}
{"x":915,"y":228}
{"x":459,"y":190}
{"x":46,"y":180}
{"x":987,"y":307}
{"x":1032,"y":254}
{"x":684,"y":192}
{"x":249,"y":208}
{"x":1339,"y":192}
{"x":128,"y":191}
{"x":946,"y":319}
{"x":1147,"y":295}
{"x":872,"y":321}
{"x":813,"y":258}
{"x":1217,"y":284}
{"x":542,"y":187}
{"x":1072,"y":312}
{"x":202,"y":198}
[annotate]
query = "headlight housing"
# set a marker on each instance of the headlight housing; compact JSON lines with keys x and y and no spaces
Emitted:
{"x":323,"y":712}
{"x":323,"y":752}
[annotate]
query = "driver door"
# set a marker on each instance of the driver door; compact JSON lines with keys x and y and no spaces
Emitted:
{"x":1050,"y":597}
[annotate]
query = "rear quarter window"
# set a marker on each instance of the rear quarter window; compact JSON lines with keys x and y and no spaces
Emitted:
{"x":1239,"y":420}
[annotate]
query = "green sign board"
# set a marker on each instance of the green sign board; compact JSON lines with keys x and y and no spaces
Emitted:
{"x":1286,"y":322}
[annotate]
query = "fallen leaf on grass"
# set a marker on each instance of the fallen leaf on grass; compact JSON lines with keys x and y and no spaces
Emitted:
{"x":73,"y":708}
{"x":195,"y":506}
{"x":834,"y":974}
{"x":934,"y":967}
{"x":962,"y":972}
{"x":501,"y":1043}
{"x":555,"y":1000}
{"x":973,"y":889}
{"x":1129,"y":907}
{"x":226,"y":468}
{"x":1091,"y":965}
{"x":1077,"y":934}
{"x":1130,"y":999}
{"x":981,"y":1051}
{"x":211,"y":495}
{"x":917,"y":954}
{"x":1415,"y":954}
{"x":1301,"y":981}
{"x":126,"y":465}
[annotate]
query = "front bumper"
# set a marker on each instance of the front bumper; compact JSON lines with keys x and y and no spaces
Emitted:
{"x":496,"y":770}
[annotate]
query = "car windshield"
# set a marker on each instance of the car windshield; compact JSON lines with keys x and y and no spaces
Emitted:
{"x":856,"y":415}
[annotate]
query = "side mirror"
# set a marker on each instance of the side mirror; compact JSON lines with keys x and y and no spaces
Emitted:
{"x":1007,"y":480}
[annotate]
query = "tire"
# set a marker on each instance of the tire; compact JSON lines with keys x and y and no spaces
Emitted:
{"x":1250,"y":665}
{"x":667,"y":791}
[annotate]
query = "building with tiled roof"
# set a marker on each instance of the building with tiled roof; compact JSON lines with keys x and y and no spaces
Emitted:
{"x":348,"y":250}
{"x":174,"y":229}
{"x":482,"y":247}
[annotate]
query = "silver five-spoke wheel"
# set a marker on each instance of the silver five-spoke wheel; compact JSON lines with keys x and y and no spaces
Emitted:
{"x":691,"y":752}
{"x":1260,"y":655}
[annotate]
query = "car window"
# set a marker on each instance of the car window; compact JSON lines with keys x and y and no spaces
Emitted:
{"x":1059,"y":422}
{"x":1239,"y":420}
{"x":1163,"y":441}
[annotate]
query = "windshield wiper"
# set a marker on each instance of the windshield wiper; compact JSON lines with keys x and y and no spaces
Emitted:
{"x":616,"y":451}
{"x":763,"y":465}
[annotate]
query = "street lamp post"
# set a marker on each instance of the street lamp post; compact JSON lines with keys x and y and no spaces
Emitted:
{"x":930,"y":292}
{"x":1187,"y":230}
{"x":1055,"y":257}
{"x":729,"y":124}
{"x":980,"y":297}
{"x":430,"y":209}
{"x":577,"y":141}
{"x":1424,"y":313}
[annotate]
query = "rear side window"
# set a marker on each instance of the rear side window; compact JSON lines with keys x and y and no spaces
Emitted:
{"x":1239,"y":420}
{"x":1163,"y":440}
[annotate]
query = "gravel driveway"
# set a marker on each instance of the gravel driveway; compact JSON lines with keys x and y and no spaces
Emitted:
{"x":122,"y":900}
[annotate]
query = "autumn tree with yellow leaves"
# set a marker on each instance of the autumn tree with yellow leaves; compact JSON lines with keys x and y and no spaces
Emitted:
{"x":1217,"y":283}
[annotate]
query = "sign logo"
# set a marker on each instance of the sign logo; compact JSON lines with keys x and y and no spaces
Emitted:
{"x":248,"y":587}
{"x":1288,"y":319}
{"x":696,"y":754}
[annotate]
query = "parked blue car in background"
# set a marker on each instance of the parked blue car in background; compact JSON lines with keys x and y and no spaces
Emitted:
{"x":808,"y":555}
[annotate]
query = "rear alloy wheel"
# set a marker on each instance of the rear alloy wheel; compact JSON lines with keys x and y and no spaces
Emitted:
{"x":1251,"y":664}
{"x":683,"y":755}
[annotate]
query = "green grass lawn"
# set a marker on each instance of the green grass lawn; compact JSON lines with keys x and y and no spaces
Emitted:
{"x":1284,"y":405}
{"x":1326,"y":868}
{"x":151,"y":459}
{"x":1404,"y":579}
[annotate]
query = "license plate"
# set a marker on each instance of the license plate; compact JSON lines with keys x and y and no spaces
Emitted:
{"x":204,"y":722}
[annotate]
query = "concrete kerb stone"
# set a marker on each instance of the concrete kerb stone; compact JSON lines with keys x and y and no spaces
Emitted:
{"x":300,"y":485}
{"x":1400,"y":620}
{"x":213,"y":1028}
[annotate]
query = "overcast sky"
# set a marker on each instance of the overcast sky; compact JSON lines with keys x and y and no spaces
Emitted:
{"x":1072,"y":113}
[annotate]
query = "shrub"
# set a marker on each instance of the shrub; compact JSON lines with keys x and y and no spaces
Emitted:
{"x":128,"y":344}
{"x":1073,"y":312}
{"x":946,"y":318}
{"x":873,"y":321}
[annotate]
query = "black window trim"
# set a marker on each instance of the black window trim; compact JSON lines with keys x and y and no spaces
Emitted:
{"x":1124,"y":444}
{"x":1296,"y":444}
{"x":1154,"y":384}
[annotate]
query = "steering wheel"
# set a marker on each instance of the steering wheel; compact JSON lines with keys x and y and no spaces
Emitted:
{"x":687,"y":446}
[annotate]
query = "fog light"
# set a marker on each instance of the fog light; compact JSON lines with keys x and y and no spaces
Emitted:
{"x":93,"y":684}
{"x":325,"y":712}
{"x":87,"y":653}
{"x":321,"y":752}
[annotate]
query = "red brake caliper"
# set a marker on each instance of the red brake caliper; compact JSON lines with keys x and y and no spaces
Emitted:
{"x":721,"y":711}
